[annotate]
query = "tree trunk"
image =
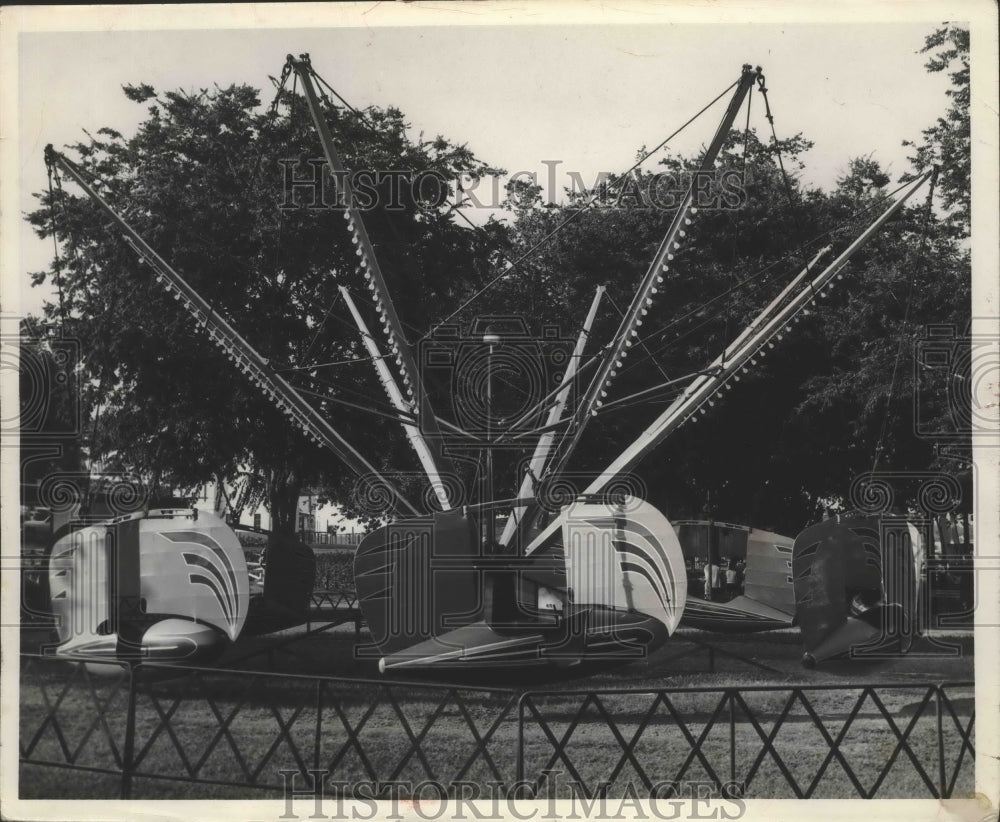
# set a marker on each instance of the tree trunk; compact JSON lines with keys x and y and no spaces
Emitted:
{"x":221,"y":502}
{"x":283,"y":489}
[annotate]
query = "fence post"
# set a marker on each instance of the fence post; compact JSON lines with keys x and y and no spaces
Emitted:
{"x":319,"y":723}
{"x":519,"y":771}
{"x":732,"y":739}
{"x":942,"y":787}
{"x":128,"y":749}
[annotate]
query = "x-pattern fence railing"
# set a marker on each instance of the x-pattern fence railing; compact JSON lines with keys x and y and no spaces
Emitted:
{"x":335,"y":598}
{"x":215,"y":730}
{"x":800,"y":741}
{"x":245,"y":729}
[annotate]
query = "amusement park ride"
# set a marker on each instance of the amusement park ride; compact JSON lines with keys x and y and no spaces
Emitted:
{"x":604,"y":577}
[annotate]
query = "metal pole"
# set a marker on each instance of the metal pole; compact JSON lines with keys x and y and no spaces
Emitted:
{"x":487,"y":519}
{"x":128,"y":749}
{"x":732,"y":739}
{"x":544,"y":444}
{"x":519,"y":776}
{"x":319,"y":723}
{"x":942,"y":787}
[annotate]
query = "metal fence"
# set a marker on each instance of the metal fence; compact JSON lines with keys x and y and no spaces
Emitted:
{"x":331,"y":539}
{"x":221,"y":732}
{"x":158,"y":731}
{"x":335,"y":598}
{"x":764,"y":741}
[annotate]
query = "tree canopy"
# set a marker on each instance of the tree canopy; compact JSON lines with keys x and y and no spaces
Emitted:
{"x":202,"y":181}
{"x":814,"y":414}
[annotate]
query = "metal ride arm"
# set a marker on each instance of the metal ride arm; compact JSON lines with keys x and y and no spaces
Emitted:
{"x":376,"y":283}
{"x":256,"y":367}
{"x":733,"y":348}
{"x":627,"y":331}
{"x":544,"y":445}
{"x":399,"y":403}
{"x":769,"y":326}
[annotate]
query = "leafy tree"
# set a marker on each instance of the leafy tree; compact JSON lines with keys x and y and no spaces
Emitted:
{"x":916,"y":275}
{"x":834,"y":401}
{"x":947,"y":144}
{"x":732,"y":262}
{"x":203,"y":181}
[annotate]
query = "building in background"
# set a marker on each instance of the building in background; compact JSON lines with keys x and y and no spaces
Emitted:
{"x":318,"y":525}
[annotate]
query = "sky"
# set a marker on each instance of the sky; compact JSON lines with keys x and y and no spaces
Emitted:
{"x":588,"y":97}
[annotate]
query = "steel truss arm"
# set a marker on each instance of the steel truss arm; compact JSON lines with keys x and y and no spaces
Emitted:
{"x":544,"y":445}
{"x":628,"y":332}
{"x":246,"y":358}
{"x":370,"y":270}
{"x":761,"y":335}
{"x":396,"y":398}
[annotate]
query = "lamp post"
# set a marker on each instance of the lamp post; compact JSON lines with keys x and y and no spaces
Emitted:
{"x":488,"y":537}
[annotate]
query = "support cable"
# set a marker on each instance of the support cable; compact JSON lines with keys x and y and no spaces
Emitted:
{"x":642,"y":343}
{"x":511,"y":264}
{"x":921,"y":257}
{"x":739,"y":221}
{"x":272,"y":109}
{"x":56,"y":259}
{"x":841,"y":226}
{"x":574,"y":215}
